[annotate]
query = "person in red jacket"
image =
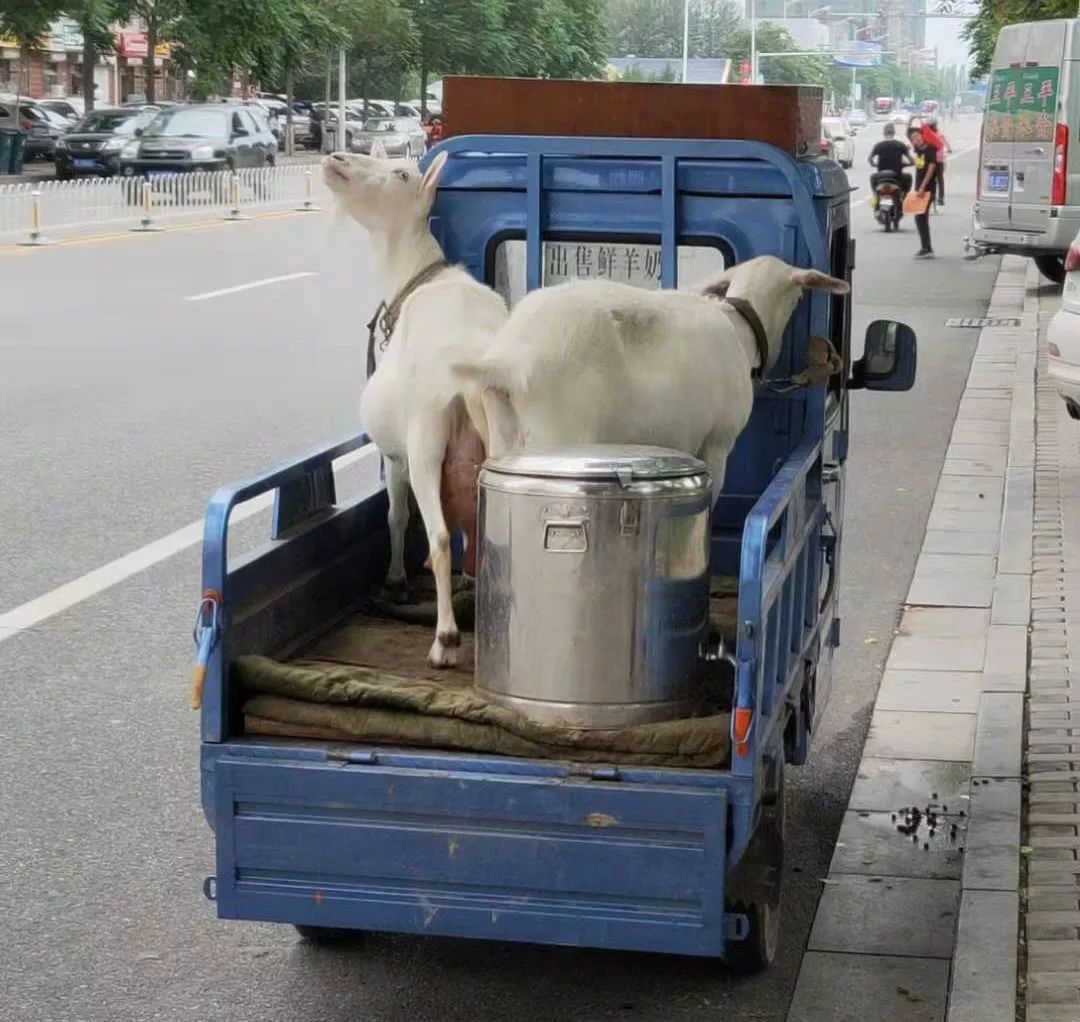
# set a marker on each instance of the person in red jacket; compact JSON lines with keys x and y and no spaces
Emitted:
{"x":936,"y":141}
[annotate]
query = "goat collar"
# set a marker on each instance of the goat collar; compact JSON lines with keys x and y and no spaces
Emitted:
{"x":387,"y":313}
{"x":753,"y":320}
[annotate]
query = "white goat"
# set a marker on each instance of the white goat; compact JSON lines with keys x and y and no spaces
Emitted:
{"x":420,"y":416}
{"x":600,"y":362}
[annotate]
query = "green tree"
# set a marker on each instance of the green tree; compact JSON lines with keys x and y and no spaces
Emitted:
{"x":28,"y":22}
{"x":95,"y":19}
{"x":654,"y":28}
{"x":457,"y":37}
{"x":772,"y":38}
{"x":981,"y":32}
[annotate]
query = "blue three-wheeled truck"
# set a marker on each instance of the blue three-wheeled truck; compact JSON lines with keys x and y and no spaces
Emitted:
{"x":331,"y":831}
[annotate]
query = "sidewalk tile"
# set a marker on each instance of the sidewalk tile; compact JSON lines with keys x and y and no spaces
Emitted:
{"x":935,"y":653}
{"x":984,"y":970}
{"x":869,"y":988}
{"x":1012,"y":600}
{"x":988,"y":520}
{"x":953,"y":580}
{"x":999,"y":735}
{"x":869,"y":844}
{"x":887,"y":916}
{"x":931,"y":691}
{"x":887,"y":785}
{"x":945,"y":542}
{"x":944,"y":622}
{"x":992,"y":489}
{"x":992,"y":845}
{"x":916,"y":735}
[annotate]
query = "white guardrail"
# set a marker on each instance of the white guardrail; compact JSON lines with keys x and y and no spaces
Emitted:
{"x":32,"y":209}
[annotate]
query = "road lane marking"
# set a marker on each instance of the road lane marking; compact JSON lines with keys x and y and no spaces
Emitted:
{"x":250,"y":285}
{"x":40,"y":609}
{"x":180,"y":226}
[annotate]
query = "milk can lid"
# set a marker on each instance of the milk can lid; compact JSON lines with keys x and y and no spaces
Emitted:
{"x":624,"y":462}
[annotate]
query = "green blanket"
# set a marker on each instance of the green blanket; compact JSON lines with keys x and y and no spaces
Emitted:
{"x":326,"y":698}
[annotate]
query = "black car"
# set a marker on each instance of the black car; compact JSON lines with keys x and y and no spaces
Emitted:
{"x":209,"y":136}
{"x":93,"y":146}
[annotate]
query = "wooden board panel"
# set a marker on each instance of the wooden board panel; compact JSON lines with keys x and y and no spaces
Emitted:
{"x":785,"y":116}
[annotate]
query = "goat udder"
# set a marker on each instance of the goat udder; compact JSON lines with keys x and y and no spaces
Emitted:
{"x":461,"y":466}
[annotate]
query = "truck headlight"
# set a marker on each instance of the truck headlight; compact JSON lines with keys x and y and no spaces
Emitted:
{"x":61,"y":144}
{"x":202,"y":152}
{"x":130,"y":150}
{"x":113,"y":145}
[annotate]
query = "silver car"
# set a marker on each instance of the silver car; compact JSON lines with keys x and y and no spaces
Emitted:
{"x":400,"y":136}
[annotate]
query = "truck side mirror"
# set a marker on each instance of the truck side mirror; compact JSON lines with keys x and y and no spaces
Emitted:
{"x":889,"y":358}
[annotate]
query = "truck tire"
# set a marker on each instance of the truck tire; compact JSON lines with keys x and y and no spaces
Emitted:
{"x":755,"y":885}
{"x":1052,"y":267}
{"x":329,"y":935}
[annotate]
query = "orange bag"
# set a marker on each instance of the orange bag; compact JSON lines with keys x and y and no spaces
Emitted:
{"x":916,"y":203}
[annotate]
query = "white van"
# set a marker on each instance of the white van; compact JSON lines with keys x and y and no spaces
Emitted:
{"x":1028,"y":190}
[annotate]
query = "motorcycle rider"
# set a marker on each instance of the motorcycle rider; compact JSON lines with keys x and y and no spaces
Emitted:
{"x":890,"y":156}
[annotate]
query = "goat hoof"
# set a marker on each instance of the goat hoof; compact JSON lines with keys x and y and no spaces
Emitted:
{"x":444,"y":650}
{"x":397,"y":592}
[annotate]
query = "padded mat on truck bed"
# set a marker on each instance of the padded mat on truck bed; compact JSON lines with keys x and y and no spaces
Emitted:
{"x":369,"y":680}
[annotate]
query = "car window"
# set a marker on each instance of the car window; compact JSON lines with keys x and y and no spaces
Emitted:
{"x":121,"y":122}
{"x":190,"y":122}
{"x":237,"y":124}
{"x":33,"y":113}
{"x":253,"y":121}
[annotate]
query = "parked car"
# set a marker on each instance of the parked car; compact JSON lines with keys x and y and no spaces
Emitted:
{"x":354,"y":122}
{"x":400,"y":136}
{"x":1063,"y":336}
{"x":93,"y":146}
{"x":858,"y":119}
{"x":43,"y":127}
{"x":211,"y":136}
{"x":839,"y":132}
{"x":71,"y":108}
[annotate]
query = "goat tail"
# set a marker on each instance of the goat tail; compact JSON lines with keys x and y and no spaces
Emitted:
{"x":485,"y":373}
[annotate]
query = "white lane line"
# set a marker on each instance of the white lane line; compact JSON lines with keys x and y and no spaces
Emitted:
{"x":953,"y":156}
{"x":108,"y":575}
{"x":250,"y":285}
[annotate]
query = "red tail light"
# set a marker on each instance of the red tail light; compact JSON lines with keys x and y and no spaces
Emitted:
{"x":1072,"y":259}
{"x":26,"y":125}
{"x":1061,"y":165}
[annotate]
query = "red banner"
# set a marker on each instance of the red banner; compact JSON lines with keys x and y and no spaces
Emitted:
{"x":130,"y":43}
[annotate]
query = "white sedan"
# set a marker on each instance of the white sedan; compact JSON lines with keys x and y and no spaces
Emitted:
{"x":839,"y":133}
{"x":1063,"y":336}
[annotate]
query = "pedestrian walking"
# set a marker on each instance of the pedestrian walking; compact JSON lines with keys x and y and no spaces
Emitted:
{"x":926,"y":170}
{"x":936,"y":137}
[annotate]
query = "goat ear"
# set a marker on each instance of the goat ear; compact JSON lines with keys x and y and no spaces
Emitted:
{"x":718,"y":286}
{"x":430,"y":180}
{"x":815,"y":280}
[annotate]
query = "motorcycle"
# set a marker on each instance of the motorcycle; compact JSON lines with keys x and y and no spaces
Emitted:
{"x":888,"y":204}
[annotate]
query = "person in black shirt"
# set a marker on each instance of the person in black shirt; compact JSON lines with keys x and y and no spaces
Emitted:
{"x":890,"y":156}
{"x":926,"y":166}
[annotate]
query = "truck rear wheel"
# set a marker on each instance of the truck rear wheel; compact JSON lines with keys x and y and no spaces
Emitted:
{"x":755,"y":885}
{"x":1052,"y":267}
{"x":329,"y":935}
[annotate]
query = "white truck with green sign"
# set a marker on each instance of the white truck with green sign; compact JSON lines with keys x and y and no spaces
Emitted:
{"x":1028,"y":191}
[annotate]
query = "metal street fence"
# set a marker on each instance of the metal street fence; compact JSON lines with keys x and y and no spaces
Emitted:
{"x":71,"y":206}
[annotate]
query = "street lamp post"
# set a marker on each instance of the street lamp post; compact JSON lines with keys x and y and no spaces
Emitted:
{"x":685,"y":38}
{"x":753,"y":42}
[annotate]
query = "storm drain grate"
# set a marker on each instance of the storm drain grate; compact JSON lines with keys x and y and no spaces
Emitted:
{"x":979,"y":322}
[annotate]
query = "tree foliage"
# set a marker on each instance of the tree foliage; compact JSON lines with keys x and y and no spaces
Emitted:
{"x":981,"y":32}
{"x":654,"y":28}
{"x":772,"y":38}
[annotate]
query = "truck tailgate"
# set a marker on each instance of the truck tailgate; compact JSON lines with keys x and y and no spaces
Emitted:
{"x":562,"y":860}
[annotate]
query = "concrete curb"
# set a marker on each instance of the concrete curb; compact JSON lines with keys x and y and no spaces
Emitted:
{"x":921,"y":906}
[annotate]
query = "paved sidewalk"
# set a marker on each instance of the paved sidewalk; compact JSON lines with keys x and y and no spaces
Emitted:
{"x":918,"y":921}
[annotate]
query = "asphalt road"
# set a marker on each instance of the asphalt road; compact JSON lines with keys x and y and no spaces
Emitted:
{"x":123,"y":404}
